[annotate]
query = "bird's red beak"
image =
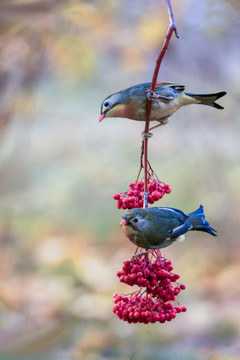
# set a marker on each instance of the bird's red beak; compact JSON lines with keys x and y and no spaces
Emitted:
{"x":123,"y":222}
{"x":101,"y":117}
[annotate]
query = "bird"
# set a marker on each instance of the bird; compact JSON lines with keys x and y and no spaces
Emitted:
{"x":159,"y":227}
{"x":167,"y":98}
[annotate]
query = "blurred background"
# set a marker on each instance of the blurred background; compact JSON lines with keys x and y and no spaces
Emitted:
{"x":60,"y":240}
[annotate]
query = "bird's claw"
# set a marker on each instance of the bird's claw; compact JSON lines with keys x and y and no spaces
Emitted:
{"x":147,"y":135}
{"x":151,"y":95}
{"x":140,"y":253}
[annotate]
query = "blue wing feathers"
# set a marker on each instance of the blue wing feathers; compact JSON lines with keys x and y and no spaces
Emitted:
{"x":193,"y":221}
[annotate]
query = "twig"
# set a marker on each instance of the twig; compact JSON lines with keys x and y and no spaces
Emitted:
{"x":172,"y":28}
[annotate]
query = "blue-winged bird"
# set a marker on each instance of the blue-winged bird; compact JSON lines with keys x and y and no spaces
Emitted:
{"x":158,"y":227}
{"x":168,"y":97}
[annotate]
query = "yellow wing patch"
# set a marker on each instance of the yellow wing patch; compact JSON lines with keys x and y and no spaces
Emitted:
{"x":168,"y":84}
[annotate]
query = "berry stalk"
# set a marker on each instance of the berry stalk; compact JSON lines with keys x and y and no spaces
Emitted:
{"x":172,"y":28}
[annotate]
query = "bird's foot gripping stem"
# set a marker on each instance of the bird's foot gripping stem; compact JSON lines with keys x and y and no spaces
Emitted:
{"x":151,"y":95}
{"x":146,"y":135}
{"x":162,"y":122}
{"x":141,"y":253}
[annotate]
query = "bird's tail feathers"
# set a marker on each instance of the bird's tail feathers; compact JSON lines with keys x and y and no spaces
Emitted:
{"x":198,"y":221}
{"x":208,"y":99}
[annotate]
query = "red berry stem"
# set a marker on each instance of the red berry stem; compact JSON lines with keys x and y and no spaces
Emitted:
{"x":172,"y":28}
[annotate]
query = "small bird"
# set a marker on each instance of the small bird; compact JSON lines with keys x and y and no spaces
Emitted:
{"x":159,"y":227}
{"x":167,"y":98}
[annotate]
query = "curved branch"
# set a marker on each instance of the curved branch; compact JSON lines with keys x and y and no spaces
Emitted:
{"x":172,"y":28}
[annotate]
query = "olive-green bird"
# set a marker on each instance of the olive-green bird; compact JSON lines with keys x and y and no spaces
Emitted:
{"x":158,"y":227}
{"x":167,"y":98}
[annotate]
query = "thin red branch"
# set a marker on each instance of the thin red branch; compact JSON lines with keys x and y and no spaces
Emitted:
{"x":172,"y":28}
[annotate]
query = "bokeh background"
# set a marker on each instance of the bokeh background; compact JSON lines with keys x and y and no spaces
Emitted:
{"x":60,"y":240}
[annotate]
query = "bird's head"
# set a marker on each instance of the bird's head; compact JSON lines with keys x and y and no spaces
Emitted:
{"x":120,"y":105}
{"x":108,"y":106}
{"x":134,"y":219}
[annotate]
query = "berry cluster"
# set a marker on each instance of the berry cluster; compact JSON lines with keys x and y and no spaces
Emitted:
{"x":133,"y":197}
{"x":158,"y":290}
{"x":144,"y":309}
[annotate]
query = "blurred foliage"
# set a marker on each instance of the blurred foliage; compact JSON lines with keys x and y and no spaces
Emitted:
{"x":60,"y":242}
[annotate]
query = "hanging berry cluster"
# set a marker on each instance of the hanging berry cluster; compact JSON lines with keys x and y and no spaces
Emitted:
{"x":156,"y":299}
{"x":133,"y":197}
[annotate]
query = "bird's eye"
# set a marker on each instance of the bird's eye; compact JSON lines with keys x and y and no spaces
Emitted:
{"x":135,"y":220}
{"x":106,"y":103}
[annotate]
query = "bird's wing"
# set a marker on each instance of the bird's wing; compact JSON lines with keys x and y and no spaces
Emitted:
{"x":176,"y":212}
{"x":165,"y":221}
{"x":166,"y":84}
{"x":165,"y":91}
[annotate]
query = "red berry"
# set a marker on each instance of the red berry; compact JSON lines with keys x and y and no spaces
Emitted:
{"x":162,"y":318}
{"x":151,"y":199}
{"x":116,"y":196}
{"x":140,"y":281}
{"x":146,"y":272}
{"x":167,"y":189}
{"x":137,"y":314}
{"x":167,"y":262}
{"x":160,"y":187}
{"x":136,"y":268}
{"x":150,"y":188}
{"x":178,"y":309}
{"x":167,"y":316}
{"x":147,"y":313}
{"x":125,"y":313}
{"x":155,"y":316}
{"x":174,"y":277}
{"x":162,"y":273}
{"x":136,"y":205}
{"x":176,"y":291}
{"x":157,"y":195}
{"x":153,"y":282}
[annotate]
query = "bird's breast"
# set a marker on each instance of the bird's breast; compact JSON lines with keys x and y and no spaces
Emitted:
{"x":126,"y":110}
{"x":130,"y":232}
